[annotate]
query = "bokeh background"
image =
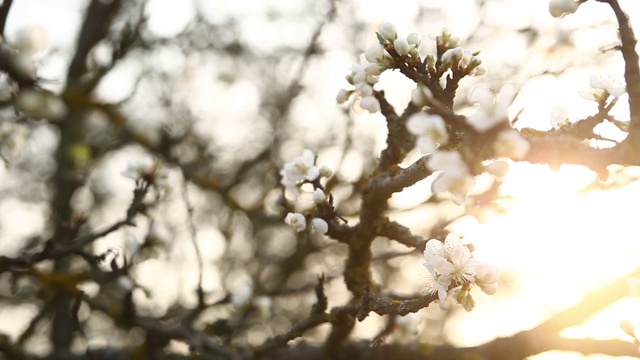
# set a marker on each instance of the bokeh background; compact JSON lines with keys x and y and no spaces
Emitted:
{"x":225,"y":92}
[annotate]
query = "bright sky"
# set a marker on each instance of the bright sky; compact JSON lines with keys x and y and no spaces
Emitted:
{"x":552,"y":237}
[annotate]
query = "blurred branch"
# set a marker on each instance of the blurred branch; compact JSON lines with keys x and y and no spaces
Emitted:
{"x":196,"y":247}
{"x":95,"y":27}
{"x":53,"y":250}
{"x":4,"y":12}
{"x":631,"y":70}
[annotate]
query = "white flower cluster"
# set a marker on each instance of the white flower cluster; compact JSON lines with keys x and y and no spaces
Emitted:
{"x":446,"y":40}
{"x":458,"y":59}
{"x":294,"y":174}
{"x":452,"y":265}
{"x":363,"y":77}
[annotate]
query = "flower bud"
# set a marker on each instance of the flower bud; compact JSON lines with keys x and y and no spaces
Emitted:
{"x":296,"y":220}
{"x":373,"y":69}
{"x":325,"y":171}
{"x":319,"y":225}
{"x":388,"y":31}
{"x":560,"y":8}
{"x":319,"y":196}
{"x":413,"y":39}
{"x":364,"y":89}
{"x":374,"y":53}
{"x":402,"y":46}
{"x":343,"y":96}
{"x":370,"y":103}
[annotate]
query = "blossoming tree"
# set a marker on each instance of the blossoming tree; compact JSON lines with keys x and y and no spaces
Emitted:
{"x":264,"y":241}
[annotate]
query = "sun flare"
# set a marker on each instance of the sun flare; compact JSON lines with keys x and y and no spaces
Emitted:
{"x":560,"y":242}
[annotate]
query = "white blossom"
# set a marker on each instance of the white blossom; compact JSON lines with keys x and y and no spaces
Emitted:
{"x":460,"y":268}
{"x":560,"y":8}
{"x":455,"y":178}
{"x":370,"y":103}
{"x":296,"y":220}
{"x":450,"y":263}
{"x":603,"y":86}
{"x":437,"y":249}
{"x":511,"y":144}
{"x":430,"y":131}
{"x":492,"y":108}
{"x":300,"y":169}
{"x":319,"y":225}
{"x":388,"y":31}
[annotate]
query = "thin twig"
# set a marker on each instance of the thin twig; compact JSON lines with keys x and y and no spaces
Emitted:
{"x":194,"y":240}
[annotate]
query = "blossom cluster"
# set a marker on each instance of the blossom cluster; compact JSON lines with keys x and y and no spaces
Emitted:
{"x":602,"y":87}
{"x":295,"y":174}
{"x":364,"y":76}
{"x":458,"y":59}
{"x":453,"y":270}
{"x":431,"y":132}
